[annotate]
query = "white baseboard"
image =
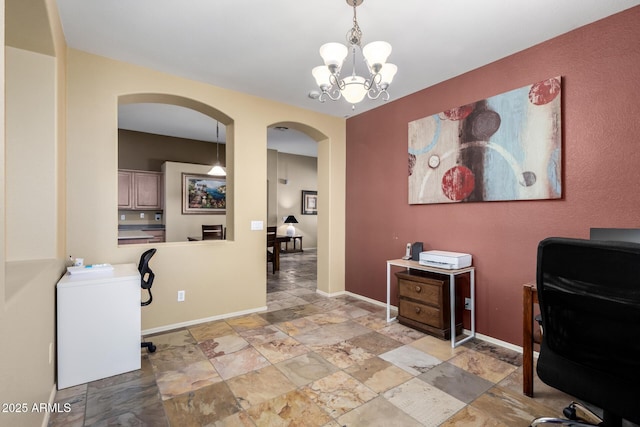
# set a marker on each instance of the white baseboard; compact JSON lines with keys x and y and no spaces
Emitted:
{"x":370,"y":300}
{"x":52,"y":398}
{"x":332,"y":295}
{"x":204,"y":320}
{"x":482,"y":337}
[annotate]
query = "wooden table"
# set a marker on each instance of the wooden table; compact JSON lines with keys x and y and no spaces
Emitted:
{"x":529,"y":298}
{"x":276,"y":250}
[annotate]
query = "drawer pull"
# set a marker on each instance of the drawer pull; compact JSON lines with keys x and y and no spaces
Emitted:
{"x":418,"y":288}
{"x":417,"y":310}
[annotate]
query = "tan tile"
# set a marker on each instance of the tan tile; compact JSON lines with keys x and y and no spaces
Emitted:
{"x":298,"y":326}
{"x":282,"y":349}
{"x":437,"y":347}
{"x":259,"y":386}
{"x":375,"y":342}
{"x":511,"y":408}
{"x":244,"y":323}
{"x":201,"y":407}
{"x":171,"y":339}
{"x":306,"y":368}
{"x":338,"y":393}
{"x":211,"y":330}
{"x":238,"y":363}
{"x":223,"y":345}
{"x":482,"y":365}
{"x":401,"y":333}
{"x":291,"y":409}
{"x":424,"y":402}
{"x":378,"y":374}
{"x":472,"y":417}
{"x":187,"y":378}
{"x":343,"y":354}
{"x":378,"y":412}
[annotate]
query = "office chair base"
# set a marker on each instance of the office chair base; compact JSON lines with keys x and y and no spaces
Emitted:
{"x":587,"y":419}
{"x":149,"y":345}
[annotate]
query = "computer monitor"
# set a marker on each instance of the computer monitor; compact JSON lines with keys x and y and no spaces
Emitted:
{"x":616,"y":234}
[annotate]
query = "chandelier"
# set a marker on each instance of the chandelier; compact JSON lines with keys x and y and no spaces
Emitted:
{"x":354,"y":87}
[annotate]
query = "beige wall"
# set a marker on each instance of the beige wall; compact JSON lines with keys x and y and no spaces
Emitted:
{"x":31,"y":215}
{"x":219,"y":278}
{"x":297,"y":173}
{"x":35,"y":101}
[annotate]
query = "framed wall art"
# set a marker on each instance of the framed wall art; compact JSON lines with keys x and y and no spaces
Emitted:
{"x":204,"y":194}
{"x":309,"y":202}
{"x":507,"y":147}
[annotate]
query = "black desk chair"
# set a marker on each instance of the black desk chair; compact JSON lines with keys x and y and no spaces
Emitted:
{"x":146,"y":281}
{"x":589,"y":294}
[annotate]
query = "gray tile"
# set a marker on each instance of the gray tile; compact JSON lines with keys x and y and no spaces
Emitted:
{"x":457,"y":382}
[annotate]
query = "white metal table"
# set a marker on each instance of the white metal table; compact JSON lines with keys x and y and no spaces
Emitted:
{"x":452,"y":292}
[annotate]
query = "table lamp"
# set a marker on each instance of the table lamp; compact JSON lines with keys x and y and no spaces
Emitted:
{"x":291,"y":230}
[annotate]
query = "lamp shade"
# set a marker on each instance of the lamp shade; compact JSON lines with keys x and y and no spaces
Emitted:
{"x":333,"y":54}
{"x":387,"y":73}
{"x":217,"y":170}
{"x":354,"y":90}
{"x":376,"y":53}
{"x":321,"y":73}
{"x":290,"y":220}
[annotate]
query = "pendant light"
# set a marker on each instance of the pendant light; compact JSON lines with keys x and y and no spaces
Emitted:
{"x":217,"y":170}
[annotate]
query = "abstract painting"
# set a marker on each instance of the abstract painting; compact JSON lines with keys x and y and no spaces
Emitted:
{"x":507,"y":147}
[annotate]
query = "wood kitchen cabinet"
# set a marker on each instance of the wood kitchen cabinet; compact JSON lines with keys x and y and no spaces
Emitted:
{"x":424,"y":304}
{"x":139,"y":190}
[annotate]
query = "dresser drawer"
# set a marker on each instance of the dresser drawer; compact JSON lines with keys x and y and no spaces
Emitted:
{"x":425,"y":314}
{"x":425,"y":292}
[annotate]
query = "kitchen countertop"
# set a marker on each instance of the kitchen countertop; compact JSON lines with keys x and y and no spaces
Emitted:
{"x":122,"y":227}
{"x":133,"y":234}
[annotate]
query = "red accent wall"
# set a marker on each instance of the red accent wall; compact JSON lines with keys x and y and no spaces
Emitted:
{"x":600,"y":69}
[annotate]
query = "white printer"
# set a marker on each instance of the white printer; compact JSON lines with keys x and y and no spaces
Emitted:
{"x":443,"y":259}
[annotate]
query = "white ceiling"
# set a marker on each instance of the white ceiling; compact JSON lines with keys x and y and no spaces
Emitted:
{"x":268,"y":48}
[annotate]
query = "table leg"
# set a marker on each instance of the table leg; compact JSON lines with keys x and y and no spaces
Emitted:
{"x":389,"y":318}
{"x":527,"y":337}
{"x":452,"y":296}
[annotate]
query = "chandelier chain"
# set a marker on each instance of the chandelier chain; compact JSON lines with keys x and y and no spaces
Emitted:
{"x":354,"y":35}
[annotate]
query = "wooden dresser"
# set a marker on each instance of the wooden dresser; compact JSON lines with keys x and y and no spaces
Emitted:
{"x":424,"y":304}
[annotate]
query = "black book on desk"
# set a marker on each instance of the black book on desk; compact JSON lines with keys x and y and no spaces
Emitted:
{"x":416,"y":248}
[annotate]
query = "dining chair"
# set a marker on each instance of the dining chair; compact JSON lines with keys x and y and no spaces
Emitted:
{"x":273,"y":255}
{"x":212,"y":232}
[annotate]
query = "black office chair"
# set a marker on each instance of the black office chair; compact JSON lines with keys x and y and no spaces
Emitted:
{"x":146,"y":281}
{"x":589,"y":293}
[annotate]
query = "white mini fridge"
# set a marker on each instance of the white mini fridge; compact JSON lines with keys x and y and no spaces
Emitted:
{"x":98,"y":324}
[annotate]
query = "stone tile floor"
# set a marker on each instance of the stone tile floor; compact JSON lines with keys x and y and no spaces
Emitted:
{"x":311,"y":361}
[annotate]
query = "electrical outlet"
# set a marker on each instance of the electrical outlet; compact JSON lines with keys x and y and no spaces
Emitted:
{"x":141,"y":215}
{"x":180,"y":296}
{"x":122,"y":217}
{"x":467,"y":303}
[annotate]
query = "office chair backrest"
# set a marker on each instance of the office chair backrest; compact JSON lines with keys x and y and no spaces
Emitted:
{"x":589,"y":294}
{"x":146,"y":274}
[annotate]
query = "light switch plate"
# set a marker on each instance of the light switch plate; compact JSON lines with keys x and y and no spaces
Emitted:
{"x":257,"y":225}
